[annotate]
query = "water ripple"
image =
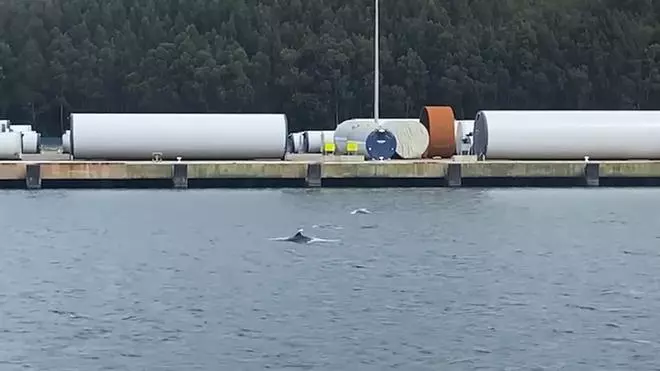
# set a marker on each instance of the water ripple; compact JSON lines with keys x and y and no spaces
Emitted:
{"x":531,"y":279}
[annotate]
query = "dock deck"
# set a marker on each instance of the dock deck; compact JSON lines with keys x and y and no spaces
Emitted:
{"x":36,"y":174}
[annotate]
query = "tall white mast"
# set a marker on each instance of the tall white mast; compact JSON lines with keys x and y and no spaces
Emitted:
{"x":376,"y":67}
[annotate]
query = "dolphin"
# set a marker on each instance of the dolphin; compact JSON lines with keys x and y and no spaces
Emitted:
{"x":300,"y":238}
{"x":360,"y":211}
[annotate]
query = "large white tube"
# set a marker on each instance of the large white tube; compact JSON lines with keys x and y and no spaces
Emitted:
{"x":189,"y":136}
{"x":11,"y":144}
{"x":412,"y":138}
{"x":567,"y":135}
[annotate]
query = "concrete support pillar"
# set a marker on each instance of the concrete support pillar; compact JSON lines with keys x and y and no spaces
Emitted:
{"x":314,"y":174}
{"x":453,"y":175}
{"x":33,"y":176}
{"x":180,"y":176}
{"x":591,"y":174}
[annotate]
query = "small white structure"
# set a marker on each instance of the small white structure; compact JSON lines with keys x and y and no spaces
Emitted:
{"x":66,"y":141}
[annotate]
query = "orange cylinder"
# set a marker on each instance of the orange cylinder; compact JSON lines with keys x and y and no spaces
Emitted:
{"x":439,"y":121}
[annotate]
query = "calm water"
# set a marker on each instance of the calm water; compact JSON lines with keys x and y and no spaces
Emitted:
{"x":525,"y":279}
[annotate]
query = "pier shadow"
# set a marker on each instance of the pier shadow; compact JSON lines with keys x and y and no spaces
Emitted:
{"x":535,"y":182}
{"x":105,"y":184}
{"x":383,"y":182}
{"x":630,"y":182}
{"x":246,"y":183}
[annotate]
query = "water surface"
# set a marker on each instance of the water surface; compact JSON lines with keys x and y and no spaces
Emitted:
{"x":501,"y":279}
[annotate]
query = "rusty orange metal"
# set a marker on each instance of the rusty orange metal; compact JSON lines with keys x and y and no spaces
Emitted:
{"x":439,"y":121}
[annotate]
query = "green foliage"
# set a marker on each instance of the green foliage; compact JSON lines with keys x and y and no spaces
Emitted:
{"x":313,"y":59}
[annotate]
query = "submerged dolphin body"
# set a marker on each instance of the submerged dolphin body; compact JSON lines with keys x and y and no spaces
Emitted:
{"x":300,"y":238}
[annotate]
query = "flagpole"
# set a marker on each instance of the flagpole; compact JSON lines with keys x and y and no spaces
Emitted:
{"x":376,"y":64}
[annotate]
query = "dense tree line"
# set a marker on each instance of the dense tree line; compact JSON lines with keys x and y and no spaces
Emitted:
{"x":313,"y":59}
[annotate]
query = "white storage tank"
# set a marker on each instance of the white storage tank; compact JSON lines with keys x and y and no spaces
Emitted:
{"x":464,"y":129}
{"x":128,"y":136}
{"x":294,"y":142}
{"x":11,"y":144}
{"x":20,"y":128}
{"x":66,"y":141}
{"x":412,"y":138}
{"x":314,"y":140}
{"x":567,"y":135}
{"x":31,"y":142}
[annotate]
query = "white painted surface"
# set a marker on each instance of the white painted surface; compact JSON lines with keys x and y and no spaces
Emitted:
{"x":412,"y":138}
{"x":31,"y":142}
{"x":567,"y":135}
{"x":313,"y":140}
{"x":327,"y":136}
{"x":189,"y":136}
{"x":11,"y":146}
{"x":463,"y":129}
{"x":20,"y":128}
{"x":294,"y":142}
{"x":66,"y":141}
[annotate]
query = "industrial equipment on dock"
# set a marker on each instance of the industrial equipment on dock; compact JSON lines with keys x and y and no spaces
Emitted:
{"x":11,"y":145}
{"x":66,"y":141}
{"x":144,"y":136}
{"x":440,"y":123}
{"x":31,"y":142}
{"x":463,"y":136}
{"x":294,"y":142}
{"x":567,"y":135}
{"x":20,"y":128}
{"x":315,"y":140}
{"x":369,"y":140}
{"x":412,"y":138}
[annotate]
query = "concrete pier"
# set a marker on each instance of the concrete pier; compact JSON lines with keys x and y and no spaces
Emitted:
{"x":393,"y":173}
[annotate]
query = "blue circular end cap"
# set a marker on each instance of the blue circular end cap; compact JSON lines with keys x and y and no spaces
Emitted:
{"x":381,"y":145}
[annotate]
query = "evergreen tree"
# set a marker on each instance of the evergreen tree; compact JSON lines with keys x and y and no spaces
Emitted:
{"x":313,"y":59}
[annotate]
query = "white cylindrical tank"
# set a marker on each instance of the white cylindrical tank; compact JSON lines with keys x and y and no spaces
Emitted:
{"x":567,"y":135}
{"x":314,"y":140}
{"x":31,"y":142}
{"x":294,"y":142}
{"x":202,"y":136}
{"x":412,"y":138}
{"x":11,"y":144}
{"x":66,"y":141}
{"x":463,"y":131}
{"x":20,"y":128}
